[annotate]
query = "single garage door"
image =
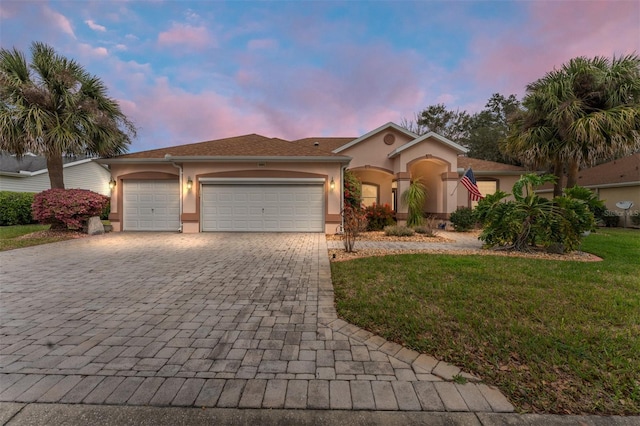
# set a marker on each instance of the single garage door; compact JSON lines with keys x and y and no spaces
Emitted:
{"x":267,"y":207}
{"x":151,"y":205}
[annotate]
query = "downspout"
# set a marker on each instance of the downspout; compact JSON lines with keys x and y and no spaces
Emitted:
{"x":181,"y":195}
{"x":342,"y":170}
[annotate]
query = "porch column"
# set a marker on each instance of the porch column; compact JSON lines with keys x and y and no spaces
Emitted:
{"x":404,"y":180}
{"x":449,"y":182}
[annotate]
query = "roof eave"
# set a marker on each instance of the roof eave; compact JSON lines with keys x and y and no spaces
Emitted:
{"x":599,"y":186}
{"x":25,"y":173}
{"x":459,"y":148}
{"x":495,"y":172}
{"x":229,"y":159}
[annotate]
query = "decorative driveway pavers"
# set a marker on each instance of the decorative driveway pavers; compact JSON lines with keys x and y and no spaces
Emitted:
{"x":215,"y":320}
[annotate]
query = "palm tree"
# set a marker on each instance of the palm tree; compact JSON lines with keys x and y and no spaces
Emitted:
{"x":414,"y":197}
{"x":53,"y":106}
{"x":585,"y":112}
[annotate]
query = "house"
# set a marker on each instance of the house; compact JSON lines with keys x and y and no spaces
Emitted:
{"x":256,"y":183}
{"x":613,"y":182}
{"x":29,"y":174}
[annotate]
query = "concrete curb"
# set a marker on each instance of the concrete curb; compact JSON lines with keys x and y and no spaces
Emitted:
{"x":68,"y":414}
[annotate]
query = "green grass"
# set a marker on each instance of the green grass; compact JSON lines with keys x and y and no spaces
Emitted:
{"x":10,"y":236}
{"x":554,"y":336}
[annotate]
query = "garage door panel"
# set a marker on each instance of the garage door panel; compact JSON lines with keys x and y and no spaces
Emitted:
{"x":151,"y":205}
{"x":267,"y":207}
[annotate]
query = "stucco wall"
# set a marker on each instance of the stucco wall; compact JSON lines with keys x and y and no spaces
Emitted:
{"x":195,"y":171}
{"x":373,"y":151}
{"x":504,"y":183}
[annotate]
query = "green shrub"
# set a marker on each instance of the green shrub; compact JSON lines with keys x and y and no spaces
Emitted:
{"x":378,"y":216}
{"x":531,"y":221}
{"x":424,"y":230}
{"x":463,"y":219}
{"x":398,"y":231}
{"x":611,"y":219}
{"x":594,"y":204}
{"x":635,"y":218}
{"x":106,"y":211}
{"x":428,"y":228}
{"x":15,"y":208}
{"x":67,"y":208}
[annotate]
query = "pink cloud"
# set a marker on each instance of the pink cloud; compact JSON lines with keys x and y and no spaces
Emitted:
{"x":58,"y":20}
{"x":187,"y":35}
{"x":555,"y":33}
{"x":88,"y":50}
{"x":6,"y":13}
{"x":94,"y":26}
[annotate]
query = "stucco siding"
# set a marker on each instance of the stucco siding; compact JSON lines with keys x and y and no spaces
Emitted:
{"x":373,"y":151}
{"x":195,"y":171}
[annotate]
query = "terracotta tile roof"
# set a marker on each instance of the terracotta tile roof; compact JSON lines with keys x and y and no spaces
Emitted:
{"x":626,"y":169}
{"x":486,"y":166}
{"x":326,"y":144}
{"x":240,"y":146}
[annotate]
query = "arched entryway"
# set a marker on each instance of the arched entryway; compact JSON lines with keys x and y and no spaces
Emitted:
{"x":430,"y":172}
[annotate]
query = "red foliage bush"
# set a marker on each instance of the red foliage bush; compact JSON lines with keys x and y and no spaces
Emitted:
{"x":68,"y":207}
{"x":379,"y":216}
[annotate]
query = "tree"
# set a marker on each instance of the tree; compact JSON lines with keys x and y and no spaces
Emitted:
{"x":482,"y":132}
{"x":451,"y":124}
{"x":489,"y":127}
{"x":53,"y":106}
{"x":414,"y":197}
{"x":585,"y":112}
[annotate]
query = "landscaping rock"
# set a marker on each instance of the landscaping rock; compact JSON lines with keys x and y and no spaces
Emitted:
{"x":95,"y":226}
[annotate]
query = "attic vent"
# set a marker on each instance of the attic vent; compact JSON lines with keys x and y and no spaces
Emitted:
{"x":316,"y":144}
{"x":262,"y":164}
{"x":389,"y":138}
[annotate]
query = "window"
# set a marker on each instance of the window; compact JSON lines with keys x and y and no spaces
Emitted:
{"x":369,"y":194}
{"x":486,"y":187}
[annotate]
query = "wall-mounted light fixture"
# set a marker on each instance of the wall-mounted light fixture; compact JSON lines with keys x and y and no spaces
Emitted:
{"x":332,"y":184}
{"x":189,"y":183}
{"x":112,"y":184}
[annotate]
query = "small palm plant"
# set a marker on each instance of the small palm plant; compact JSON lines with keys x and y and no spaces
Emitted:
{"x":414,"y":198}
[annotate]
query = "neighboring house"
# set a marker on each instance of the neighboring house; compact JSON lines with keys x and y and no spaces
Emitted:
{"x":29,"y":174}
{"x":615,"y":181}
{"x":256,"y":183}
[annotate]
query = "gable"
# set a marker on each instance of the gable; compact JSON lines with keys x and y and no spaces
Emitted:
{"x":390,"y":127}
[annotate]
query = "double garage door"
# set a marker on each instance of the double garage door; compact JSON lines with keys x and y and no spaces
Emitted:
{"x":283,"y":206}
{"x":263,"y":207}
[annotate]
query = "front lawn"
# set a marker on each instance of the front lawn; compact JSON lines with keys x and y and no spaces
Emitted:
{"x":554,"y":336}
{"x":19,"y":236}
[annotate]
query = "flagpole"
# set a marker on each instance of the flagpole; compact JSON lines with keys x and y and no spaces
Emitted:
{"x":455,"y":189}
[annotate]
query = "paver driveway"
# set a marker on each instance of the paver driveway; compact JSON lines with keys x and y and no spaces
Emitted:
{"x":224,"y":320}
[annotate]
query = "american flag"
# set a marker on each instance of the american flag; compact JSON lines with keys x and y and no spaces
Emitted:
{"x":469,"y":182}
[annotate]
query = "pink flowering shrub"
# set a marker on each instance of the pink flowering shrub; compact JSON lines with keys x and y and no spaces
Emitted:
{"x":67,"y":208}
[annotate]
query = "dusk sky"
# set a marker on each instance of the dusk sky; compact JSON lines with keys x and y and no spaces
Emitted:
{"x":189,"y":71}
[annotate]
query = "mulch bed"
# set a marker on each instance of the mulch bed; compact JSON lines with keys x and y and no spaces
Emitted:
{"x":67,"y":235}
{"x":339,"y":255}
